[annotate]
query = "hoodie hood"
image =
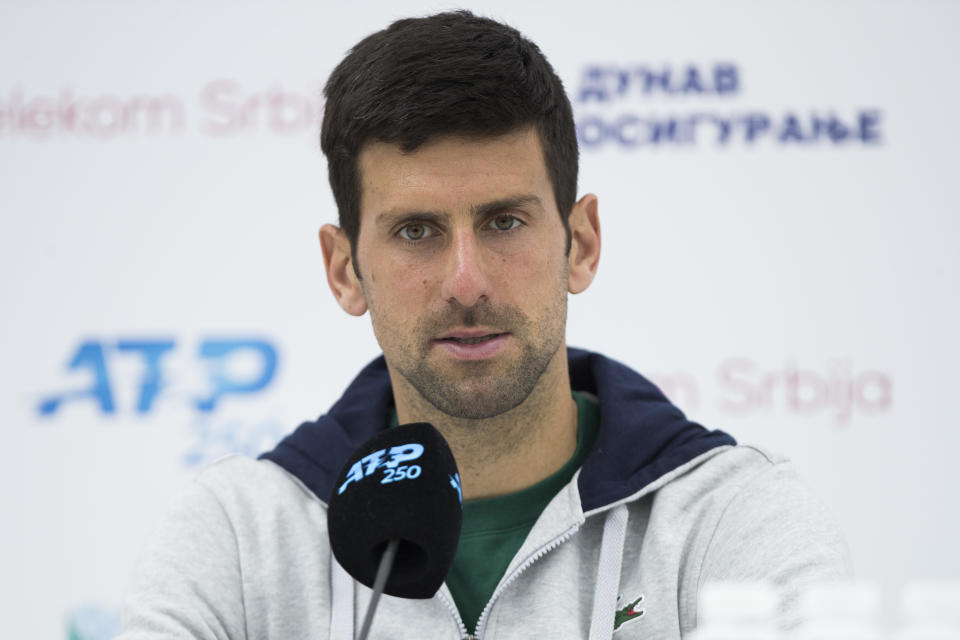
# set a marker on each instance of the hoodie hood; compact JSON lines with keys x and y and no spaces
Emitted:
{"x":642,"y":435}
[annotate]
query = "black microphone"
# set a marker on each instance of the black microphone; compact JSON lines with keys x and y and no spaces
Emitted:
{"x":399,"y":489}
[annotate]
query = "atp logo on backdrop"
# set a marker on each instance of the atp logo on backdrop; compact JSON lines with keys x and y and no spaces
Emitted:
{"x":98,"y":358}
{"x":139,"y":378}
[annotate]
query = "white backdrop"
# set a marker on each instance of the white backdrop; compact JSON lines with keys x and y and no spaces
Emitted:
{"x":779,"y":213}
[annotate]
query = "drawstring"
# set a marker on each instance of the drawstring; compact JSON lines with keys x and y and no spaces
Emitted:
{"x":608,"y":574}
{"x":341,"y":601}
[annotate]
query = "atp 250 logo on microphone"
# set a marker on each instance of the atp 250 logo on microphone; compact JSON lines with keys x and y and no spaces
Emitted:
{"x":391,"y":462}
{"x":204,"y":383}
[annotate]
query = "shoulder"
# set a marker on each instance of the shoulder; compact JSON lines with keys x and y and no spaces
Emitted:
{"x":768,"y":513}
{"x":257,"y":496}
{"x":222,"y":563}
{"x":745,"y":489}
{"x":756,"y":520}
{"x":749,"y":483}
{"x":236,"y":477}
{"x":710,"y":481}
{"x":734,"y":473}
{"x":235,"y":502}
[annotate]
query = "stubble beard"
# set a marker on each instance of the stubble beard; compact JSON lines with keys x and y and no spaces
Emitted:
{"x":478,"y":390}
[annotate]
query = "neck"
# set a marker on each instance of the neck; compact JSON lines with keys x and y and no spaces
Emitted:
{"x":510,"y":451}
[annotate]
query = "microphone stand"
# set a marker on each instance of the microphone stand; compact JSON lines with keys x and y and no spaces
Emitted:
{"x":383,"y":572}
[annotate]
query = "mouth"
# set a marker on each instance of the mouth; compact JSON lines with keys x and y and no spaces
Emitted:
{"x":473,"y":344}
{"x":471,"y":336}
{"x":473,"y":340}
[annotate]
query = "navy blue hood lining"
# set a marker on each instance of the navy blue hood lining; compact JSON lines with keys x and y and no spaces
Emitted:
{"x":642,"y":435}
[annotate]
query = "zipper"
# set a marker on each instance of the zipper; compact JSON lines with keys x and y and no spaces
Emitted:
{"x":536,"y":555}
{"x":452,"y":608}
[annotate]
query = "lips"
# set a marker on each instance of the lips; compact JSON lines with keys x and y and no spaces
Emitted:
{"x":471,"y":336}
{"x":473,"y":344}
{"x":476,"y":340}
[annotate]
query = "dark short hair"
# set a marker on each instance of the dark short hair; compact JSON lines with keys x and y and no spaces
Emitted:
{"x":446,"y":74}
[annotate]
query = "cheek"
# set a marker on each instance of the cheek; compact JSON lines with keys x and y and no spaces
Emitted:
{"x":397,"y":290}
{"x":535,"y":272}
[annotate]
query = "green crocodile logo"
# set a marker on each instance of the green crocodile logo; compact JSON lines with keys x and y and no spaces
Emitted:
{"x":627,"y":613}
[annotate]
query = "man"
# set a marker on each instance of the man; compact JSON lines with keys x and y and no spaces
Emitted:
{"x":593,"y":508}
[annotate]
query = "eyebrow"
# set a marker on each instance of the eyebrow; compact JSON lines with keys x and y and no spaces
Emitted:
{"x":393,"y":216}
{"x":503,"y":204}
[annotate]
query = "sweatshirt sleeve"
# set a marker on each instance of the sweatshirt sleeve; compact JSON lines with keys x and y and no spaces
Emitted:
{"x":189,"y":584}
{"x":774,"y":530}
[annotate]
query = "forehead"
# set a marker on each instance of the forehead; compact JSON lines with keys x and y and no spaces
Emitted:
{"x":451,"y":172}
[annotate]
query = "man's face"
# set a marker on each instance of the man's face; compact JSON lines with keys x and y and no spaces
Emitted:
{"x":462,"y":258}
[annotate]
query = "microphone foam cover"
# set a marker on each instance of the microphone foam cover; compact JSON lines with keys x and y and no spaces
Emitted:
{"x":401,"y":484}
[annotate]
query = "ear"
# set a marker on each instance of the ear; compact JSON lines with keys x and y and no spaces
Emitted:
{"x":338,"y":261}
{"x":584,"y":243}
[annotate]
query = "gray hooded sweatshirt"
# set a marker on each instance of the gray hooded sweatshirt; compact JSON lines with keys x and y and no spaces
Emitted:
{"x":660,"y":507}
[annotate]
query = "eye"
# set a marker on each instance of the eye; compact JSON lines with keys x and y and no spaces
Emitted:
{"x":415,"y":231}
{"x":504,"y":223}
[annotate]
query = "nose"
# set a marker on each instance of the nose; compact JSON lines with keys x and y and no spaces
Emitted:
{"x":466,"y":280}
